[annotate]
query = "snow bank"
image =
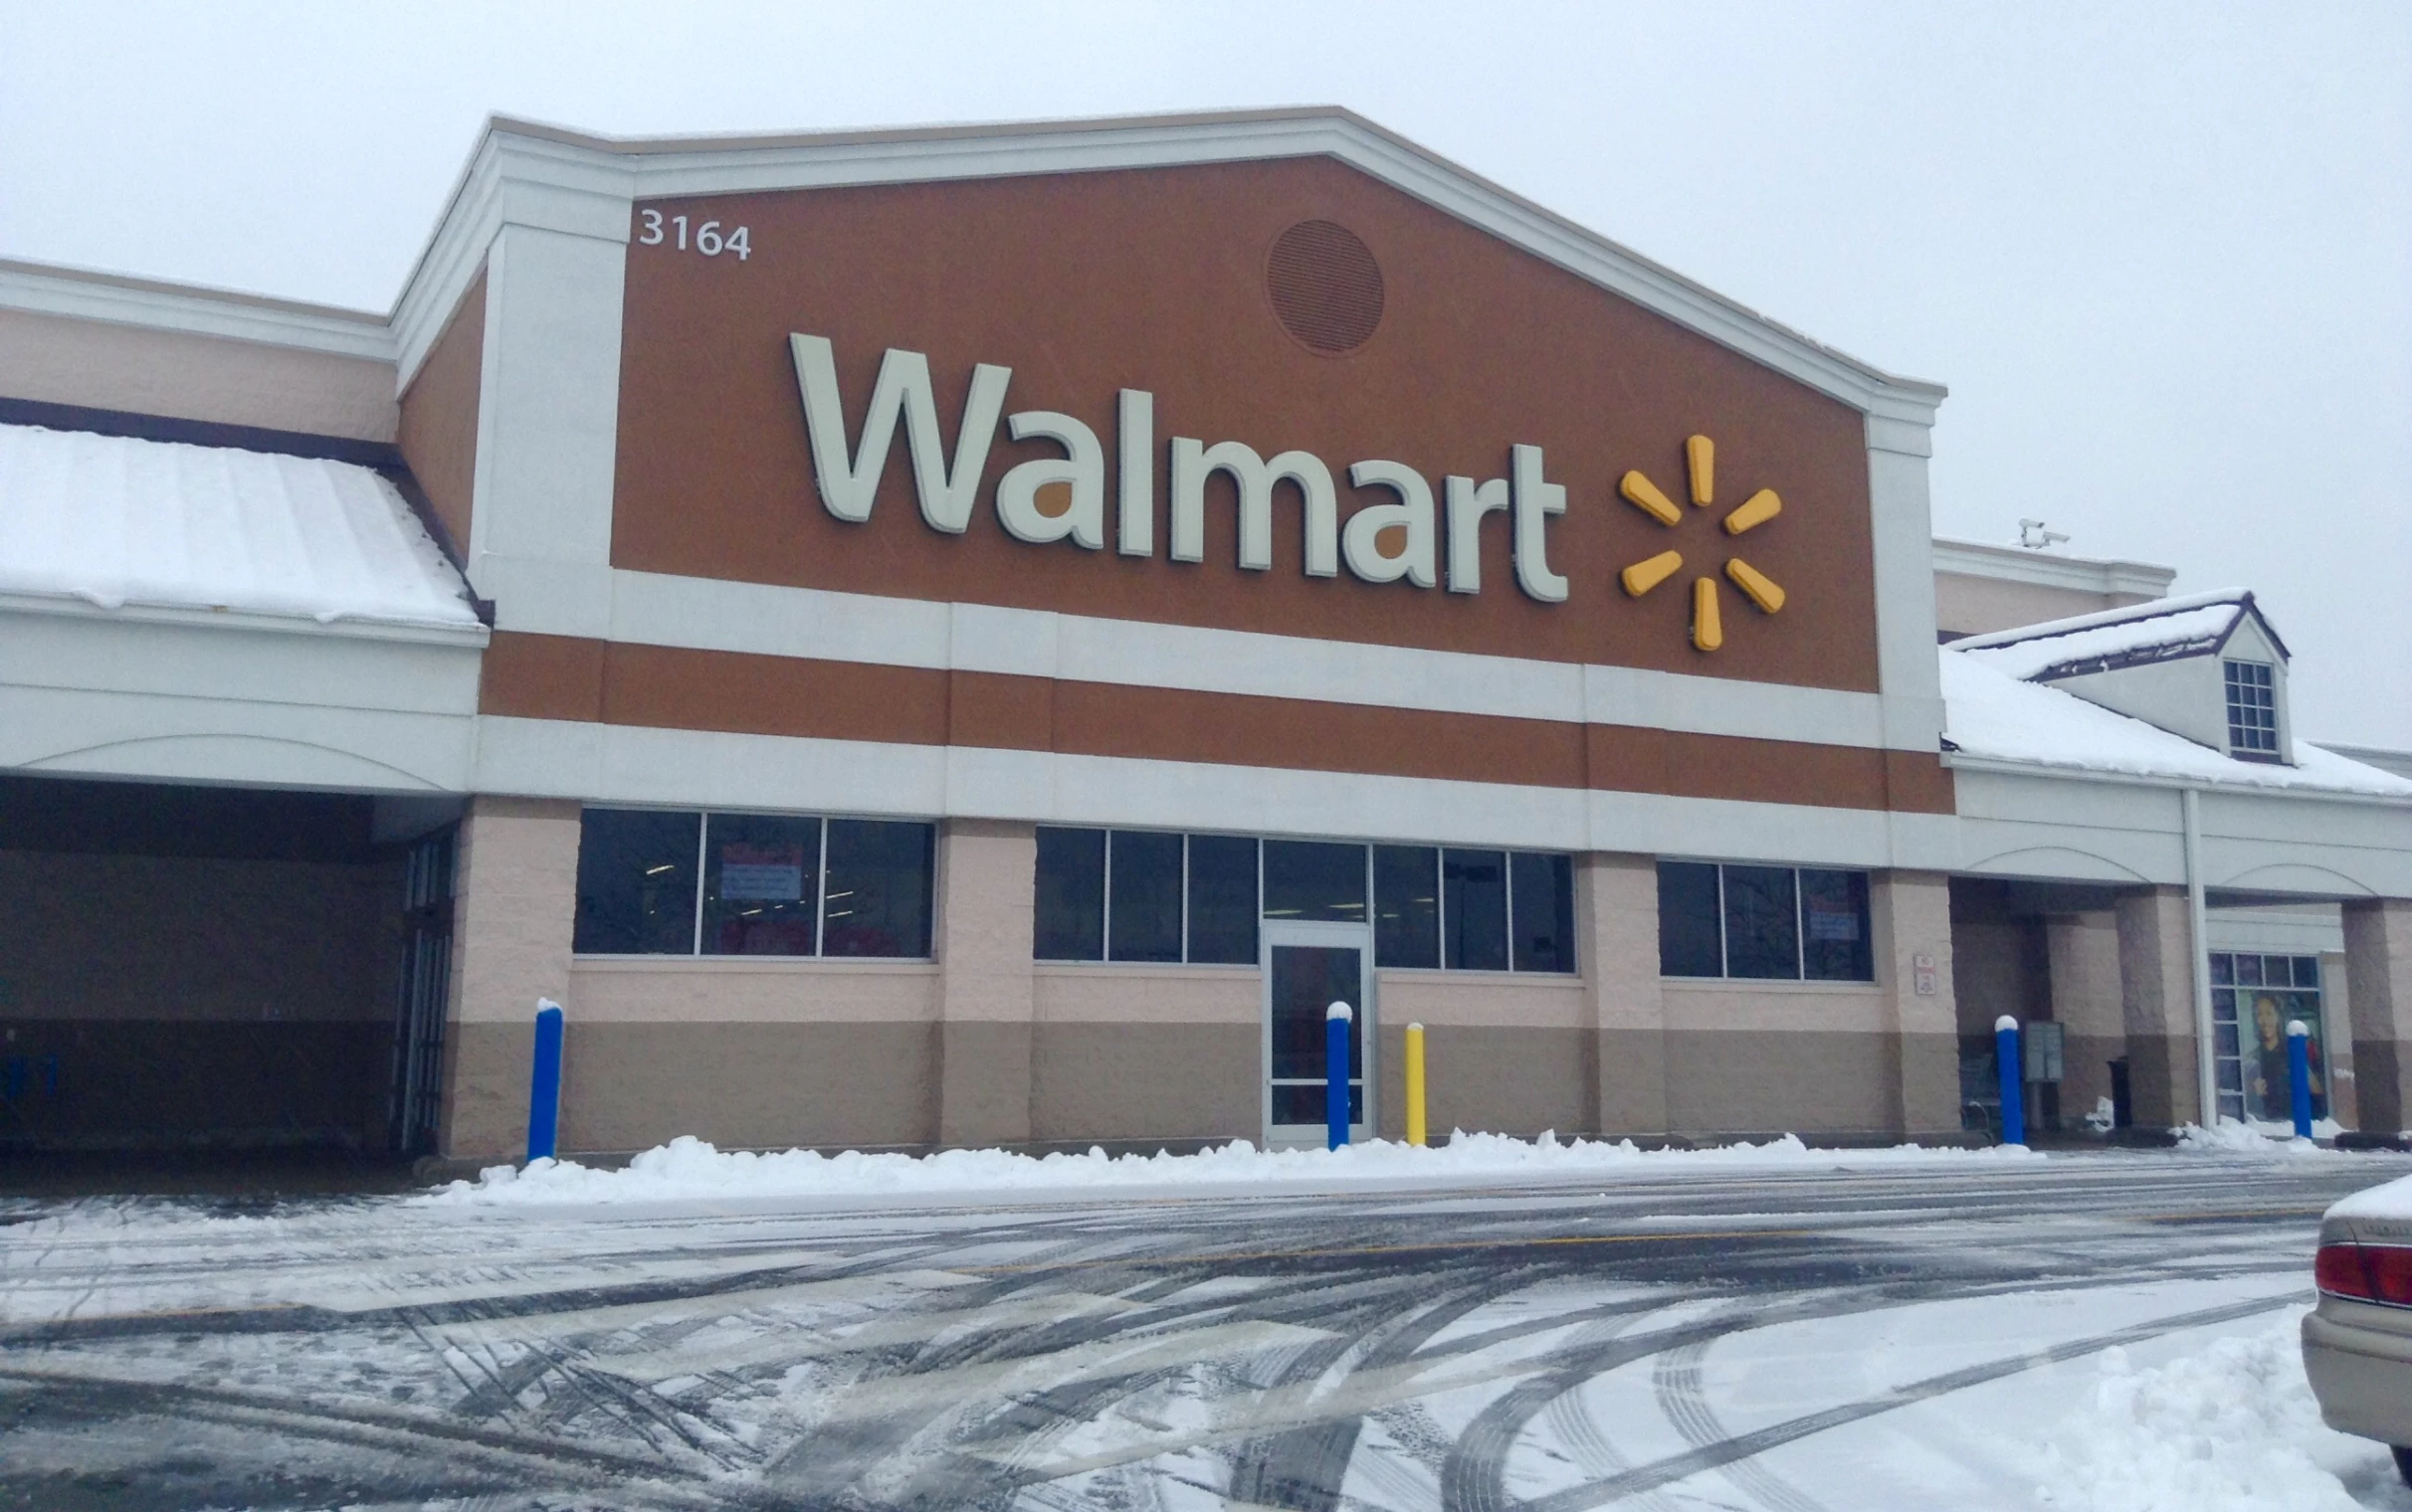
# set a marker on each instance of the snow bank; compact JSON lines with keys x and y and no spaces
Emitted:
{"x":690,"y":1168}
{"x":2275,"y":1139}
{"x":2232,"y":1428}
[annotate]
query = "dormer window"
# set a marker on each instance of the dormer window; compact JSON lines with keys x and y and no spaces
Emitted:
{"x":2252,"y":710}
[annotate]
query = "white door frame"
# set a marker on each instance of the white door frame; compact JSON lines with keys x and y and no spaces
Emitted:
{"x":1357,"y":937}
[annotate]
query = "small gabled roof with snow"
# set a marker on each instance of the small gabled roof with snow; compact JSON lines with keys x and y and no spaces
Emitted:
{"x":2159,"y":630}
{"x":117,"y":523}
{"x":1990,"y":714}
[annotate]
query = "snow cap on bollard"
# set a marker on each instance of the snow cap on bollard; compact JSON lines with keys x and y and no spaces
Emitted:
{"x":2004,"y":1023}
{"x":1339,"y":1010}
{"x":2298,"y":1026}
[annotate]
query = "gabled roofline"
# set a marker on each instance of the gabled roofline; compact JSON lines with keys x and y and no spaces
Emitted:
{"x":537,"y":173}
{"x":2149,"y":609}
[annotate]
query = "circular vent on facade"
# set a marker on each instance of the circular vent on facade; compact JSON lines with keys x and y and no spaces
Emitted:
{"x":1325,"y":285}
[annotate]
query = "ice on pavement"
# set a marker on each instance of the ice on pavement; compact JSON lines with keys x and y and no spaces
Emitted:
{"x":690,"y":1168}
{"x":2234,"y":1426}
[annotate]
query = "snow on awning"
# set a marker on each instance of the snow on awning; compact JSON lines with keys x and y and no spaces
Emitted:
{"x":1991,"y":713}
{"x":116,"y":522}
{"x":2156,"y":630}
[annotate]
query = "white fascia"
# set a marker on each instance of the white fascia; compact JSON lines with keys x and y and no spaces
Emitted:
{"x":1959,"y":761}
{"x":603,"y":176}
{"x":512,"y":180}
{"x":80,"y":295}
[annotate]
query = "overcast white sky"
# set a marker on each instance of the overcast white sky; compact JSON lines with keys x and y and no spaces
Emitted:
{"x":2160,"y":252}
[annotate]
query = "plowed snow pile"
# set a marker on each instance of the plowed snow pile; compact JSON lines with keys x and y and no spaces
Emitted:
{"x":2232,"y":1428}
{"x":690,"y":1168}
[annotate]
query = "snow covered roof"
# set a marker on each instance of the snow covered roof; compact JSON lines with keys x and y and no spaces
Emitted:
{"x":2161,"y":630}
{"x":1991,"y":712}
{"x":116,"y":522}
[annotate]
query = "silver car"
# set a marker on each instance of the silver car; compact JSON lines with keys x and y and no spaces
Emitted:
{"x":2357,"y":1343}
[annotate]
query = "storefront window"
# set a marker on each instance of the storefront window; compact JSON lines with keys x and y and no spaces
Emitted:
{"x":1474,"y":905}
{"x":1692,"y":931}
{"x":879,"y":888}
{"x":2252,"y":998}
{"x":1127,"y":896}
{"x":1833,"y":927}
{"x":1762,"y":923}
{"x":1406,"y":905}
{"x":1070,"y":912}
{"x":762,"y":875}
{"x":1145,"y":878}
{"x":1765,"y":923}
{"x":768,"y":885}
{"x":1222,"y":900}
{"x":635,"y":883}
{"x":1540,"y":894}
{"x":1314,"y":882}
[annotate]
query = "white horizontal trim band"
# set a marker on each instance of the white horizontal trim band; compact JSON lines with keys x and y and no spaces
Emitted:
{"x":706,"y":613}
{"x":600,"y":763}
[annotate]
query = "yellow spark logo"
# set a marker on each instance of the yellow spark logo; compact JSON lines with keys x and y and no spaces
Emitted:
{"x":1699,"y":460}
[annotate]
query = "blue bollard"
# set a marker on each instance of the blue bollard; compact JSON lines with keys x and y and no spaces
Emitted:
{"x":2014,"y":1081}
{"x":2299,"y":1076}
{"x":1337,"y":1019}
{"x":544,"y":1085}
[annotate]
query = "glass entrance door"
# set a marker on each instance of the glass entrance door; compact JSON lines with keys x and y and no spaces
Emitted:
{"x":1308,"y":967}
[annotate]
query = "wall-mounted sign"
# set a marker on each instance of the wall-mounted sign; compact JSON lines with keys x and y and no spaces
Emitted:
{"x":1278,"y":398}
{"x":1050,"y":499}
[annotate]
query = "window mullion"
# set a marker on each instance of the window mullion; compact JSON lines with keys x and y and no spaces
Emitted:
{"x":1184,"y":899}
{"x":1724,"y":965}
{"x":702,"y":852}
{"x":1106,"y":906}
{"x":820,"y":888}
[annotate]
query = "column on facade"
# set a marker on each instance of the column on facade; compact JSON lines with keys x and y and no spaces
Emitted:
{"x":1910,"y":914}
{"x":2087,"y":1001}
{"x":515,"y":893}
{"x":1616,"y":905}
{"x":2157,"y":958}
{"x":2379,"y":985}
{"x":987,"y":881}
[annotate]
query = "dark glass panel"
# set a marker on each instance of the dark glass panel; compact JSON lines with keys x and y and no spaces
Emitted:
{"x":1406,"y":905}
{"x":1690,"y":944}
{"x":2307,"y":971}
{"x":1145,"y":878}
{"x":1835,"y":944}
{"x":1070,"y":916}
{"x":1296,"y":1103}
{"x":879,"y":888}
{"x":1223,"y":899}
{"x":1306,"y":981}
{"x":1544,"y":896}
{"x":2223,"y":968}
{"x":1474,"y":916}
{"x":2249,"y":970}
{"x":1762,"y":923}
{"x":635,"y":883}
{"x":1315,"y":881}
{"x":761,"y":884}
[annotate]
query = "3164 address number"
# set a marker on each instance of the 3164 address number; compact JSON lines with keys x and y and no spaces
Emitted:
{"x":709,"y":237}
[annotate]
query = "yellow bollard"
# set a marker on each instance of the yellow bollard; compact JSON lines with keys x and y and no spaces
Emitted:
{"x":1415,"y":1084}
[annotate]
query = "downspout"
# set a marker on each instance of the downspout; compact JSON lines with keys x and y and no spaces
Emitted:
{"x":2206,"y":1072}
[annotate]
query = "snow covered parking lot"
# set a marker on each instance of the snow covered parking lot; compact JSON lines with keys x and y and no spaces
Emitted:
{"x":1549,"y":1330}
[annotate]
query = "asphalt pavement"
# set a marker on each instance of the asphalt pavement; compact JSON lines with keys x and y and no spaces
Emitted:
{"x":1657,"y":1342}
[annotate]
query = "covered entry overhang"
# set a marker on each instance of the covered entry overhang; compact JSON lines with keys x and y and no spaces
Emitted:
{"x":237,"y":704}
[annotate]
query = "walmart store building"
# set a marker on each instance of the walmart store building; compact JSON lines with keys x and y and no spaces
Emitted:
{"x":977,"y":635}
